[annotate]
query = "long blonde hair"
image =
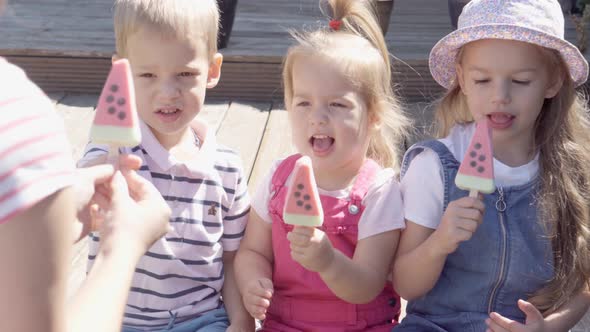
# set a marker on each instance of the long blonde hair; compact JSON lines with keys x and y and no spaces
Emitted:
{"x":562,"y":136}
{"x":359,"y":49}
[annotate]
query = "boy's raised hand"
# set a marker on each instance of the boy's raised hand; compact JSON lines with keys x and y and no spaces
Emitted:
{"x":311,"y":248}
{"x":257,"y":297}
{"x":459,"y":222}
{"x":534,"y":320}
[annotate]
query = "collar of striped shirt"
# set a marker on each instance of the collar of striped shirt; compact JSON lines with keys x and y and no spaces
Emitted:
{"x":203,"y":160}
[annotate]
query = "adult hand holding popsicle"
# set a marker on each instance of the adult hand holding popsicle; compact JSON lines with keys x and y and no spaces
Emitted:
{"x":310,"y":247}
{"x":116,"y":122}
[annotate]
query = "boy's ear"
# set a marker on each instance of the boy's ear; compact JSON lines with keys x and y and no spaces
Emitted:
{"x":460,"y":80}
{"x":115,"y":57}
{"x":214,"y":71}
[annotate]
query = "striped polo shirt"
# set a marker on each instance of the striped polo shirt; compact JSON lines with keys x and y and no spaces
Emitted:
{"x":182,"y":273}
{"x":35,"y":157}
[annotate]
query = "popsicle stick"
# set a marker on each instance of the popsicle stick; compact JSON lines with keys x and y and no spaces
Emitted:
{"x":473,"y":193}
{"x":113,"y":156}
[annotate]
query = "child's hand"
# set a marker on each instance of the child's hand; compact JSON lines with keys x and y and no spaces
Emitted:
{"x":534,"y":320}
{"x":311,"y":248}
{"x":458,"y":224}
{"x":257,"y":296}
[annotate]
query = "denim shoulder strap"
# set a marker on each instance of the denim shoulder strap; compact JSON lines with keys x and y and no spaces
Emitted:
{"x":445,"y":156}
{"x":448,"y":162}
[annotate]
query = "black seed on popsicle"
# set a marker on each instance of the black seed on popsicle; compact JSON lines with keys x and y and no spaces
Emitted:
{"x":121,"y":115}
{"x":114,"y":88}
{"x":110,"y":99}
{"x":477,"y":146}
{"x":308,"y":207}
{"x":482,"y":158}
{"x":472,"y":154}
{"x":299,"y":203}
{"x":306,"y":197}
{"x":473,"y":164}
{"x":121,"y":101}
{"x":300,"y":186}
{"x":480,"y":169}
{"x":297,"y":194}
{"x":112,"y":110}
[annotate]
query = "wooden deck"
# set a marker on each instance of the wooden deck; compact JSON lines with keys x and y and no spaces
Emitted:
{"x":66,"y":45}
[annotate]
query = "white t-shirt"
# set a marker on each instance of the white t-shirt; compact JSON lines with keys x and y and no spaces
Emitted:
{"x":422,"y":184}
{"x":383,"y":202}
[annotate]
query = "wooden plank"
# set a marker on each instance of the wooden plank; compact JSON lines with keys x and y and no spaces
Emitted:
{"x":275,"y":144}
{"x":244,"y":81}
{"x":66,"y":46}
{"x":77,"y":112}
{"x":239,"y":80}
{"x":213,"y":114}
{"x":242,"y":130}
{"x":249,"y":81}
{"x":261,"y":28}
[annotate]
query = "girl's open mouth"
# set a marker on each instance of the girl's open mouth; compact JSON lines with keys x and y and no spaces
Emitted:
{"x":321,"y":144}
{"x":500,"y":120}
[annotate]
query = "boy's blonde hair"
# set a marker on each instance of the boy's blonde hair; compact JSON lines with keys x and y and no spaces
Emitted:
{"x":562,"y":135}
{"x":359,"y":49}
{"x":190,"y":20}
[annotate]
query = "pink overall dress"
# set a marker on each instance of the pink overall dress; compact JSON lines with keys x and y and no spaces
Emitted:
{"x":301,"y":300}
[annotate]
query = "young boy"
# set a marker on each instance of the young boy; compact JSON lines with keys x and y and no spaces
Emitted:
{"x":171,"y":46}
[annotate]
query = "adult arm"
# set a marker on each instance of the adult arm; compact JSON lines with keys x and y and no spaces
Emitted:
{"x":34,"y":254}
{"x":137,"y":216}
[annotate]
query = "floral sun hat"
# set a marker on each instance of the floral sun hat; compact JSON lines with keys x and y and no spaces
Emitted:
{"x":537,"y":22}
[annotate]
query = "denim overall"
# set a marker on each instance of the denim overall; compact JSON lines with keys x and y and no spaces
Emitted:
{"x":508,"y":258}
{"x":301,"y":300}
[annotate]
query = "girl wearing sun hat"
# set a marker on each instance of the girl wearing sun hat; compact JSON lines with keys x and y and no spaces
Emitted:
{"x":517,"y":259}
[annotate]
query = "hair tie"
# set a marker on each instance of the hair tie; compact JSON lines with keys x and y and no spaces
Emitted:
{"x":335,"y":24}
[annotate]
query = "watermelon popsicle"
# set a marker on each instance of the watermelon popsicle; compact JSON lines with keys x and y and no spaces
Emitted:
{"x":476,"y":172}
{"x":302,"y":205}
{"x":115,"y":121}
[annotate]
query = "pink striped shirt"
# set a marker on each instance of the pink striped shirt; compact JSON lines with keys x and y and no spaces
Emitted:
{"x":35,"y":157}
